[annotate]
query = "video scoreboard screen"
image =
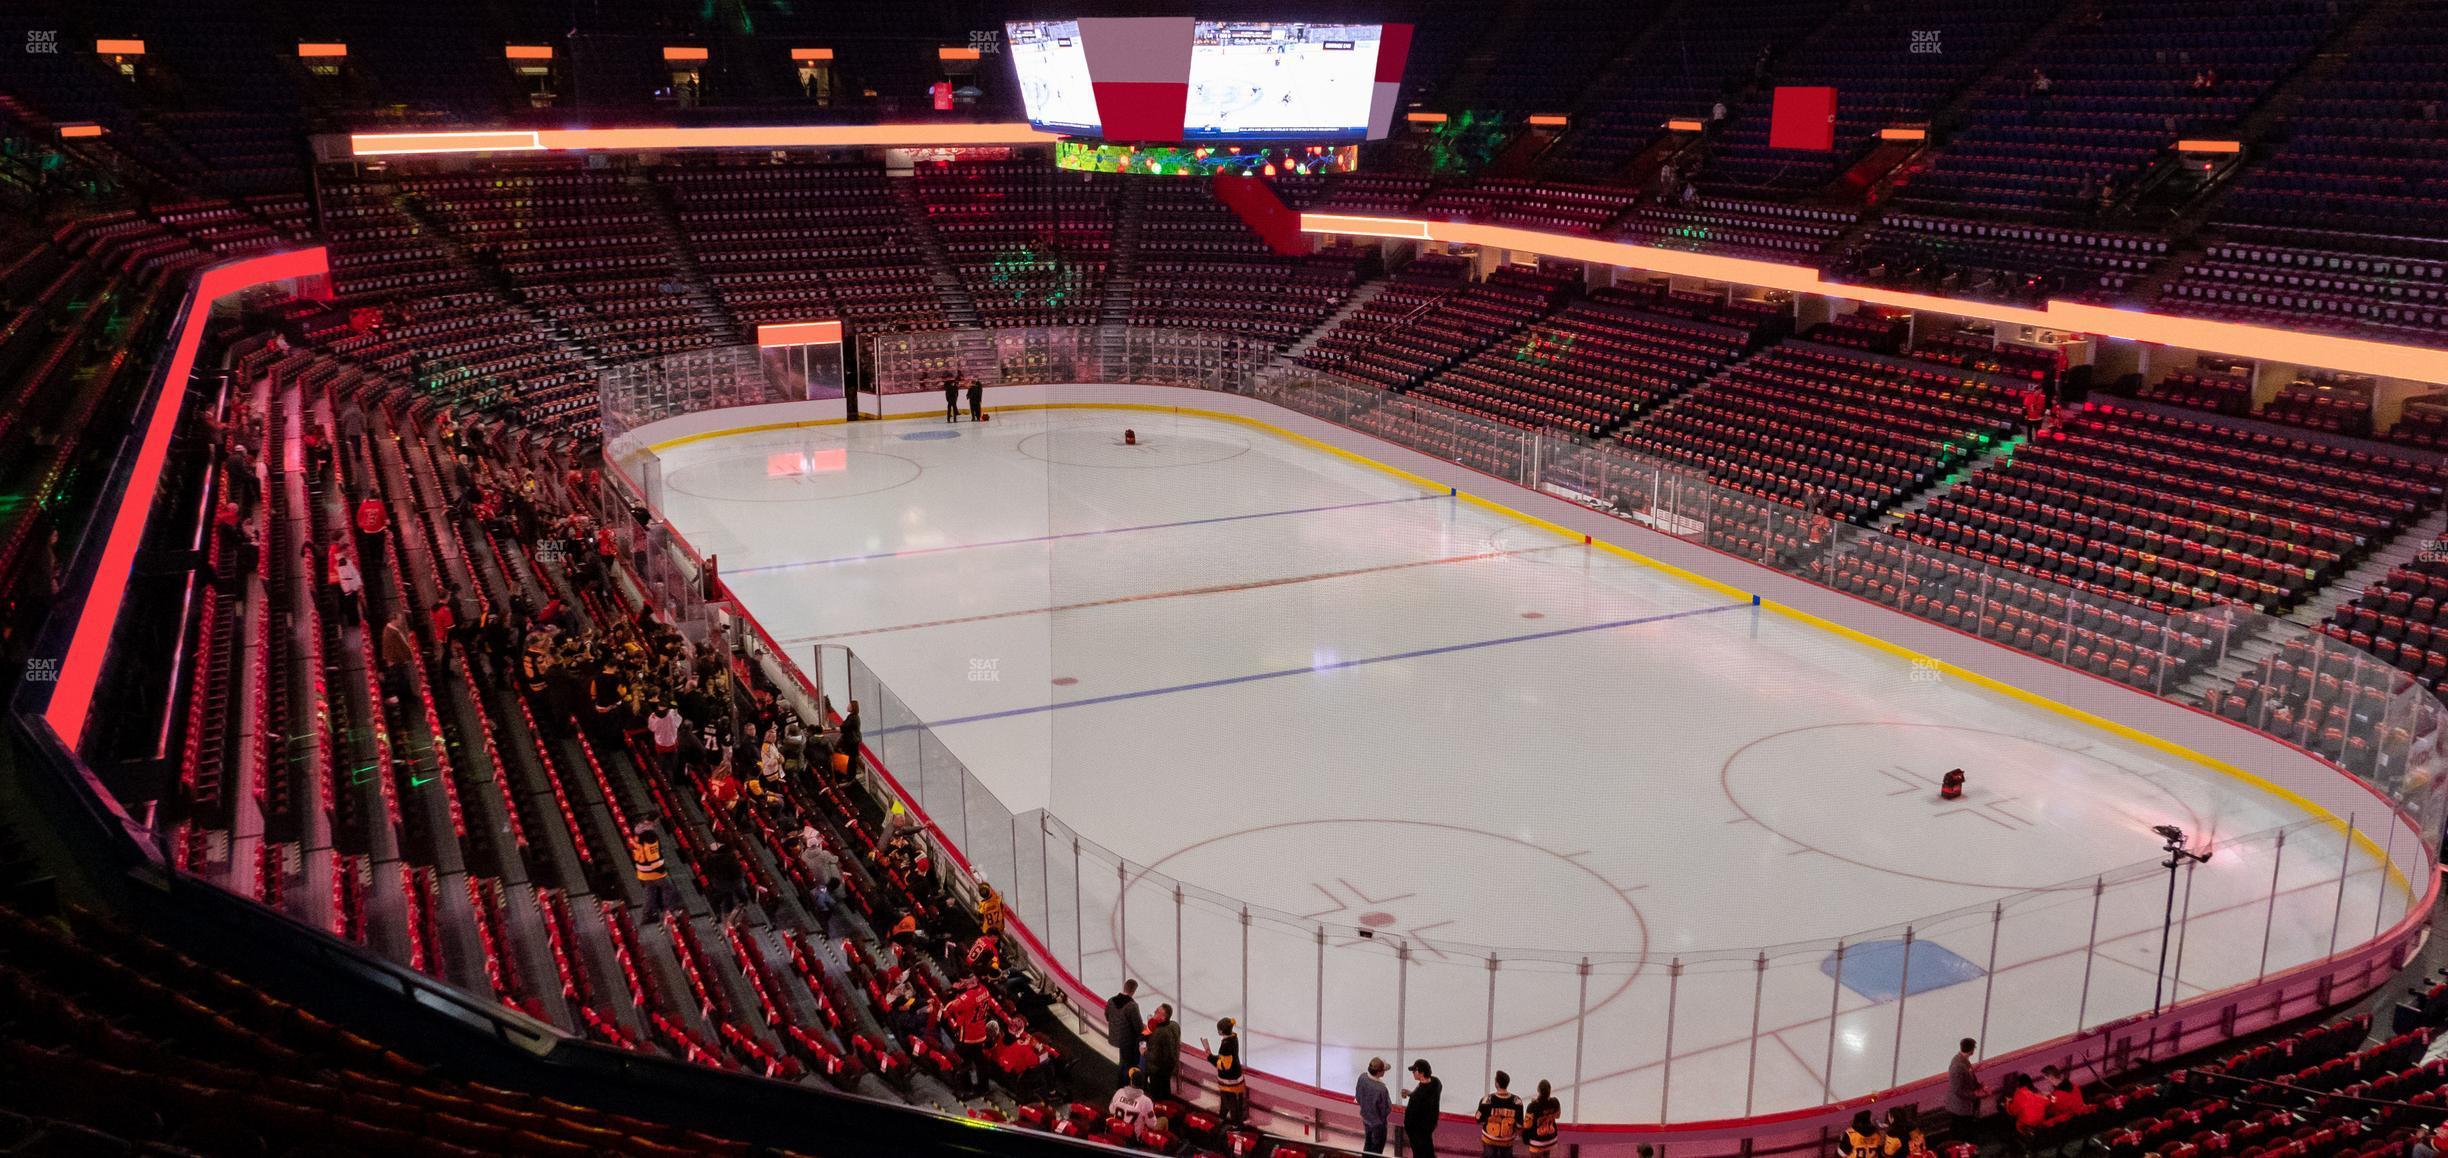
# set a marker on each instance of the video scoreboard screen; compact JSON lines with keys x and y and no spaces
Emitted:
{"x":1185,"y":80}
{"x":1054,"y":82}
{"x":1251,"y":81}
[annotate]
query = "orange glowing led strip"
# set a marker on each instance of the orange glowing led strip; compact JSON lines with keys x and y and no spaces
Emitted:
{"x":956,"y":54}
{"x":320,"y":51}
{"x":811,"y":54}
{"x":1682,"y":125}
{"x":1903,"y":134}
{"x":683,"y":52}
{"x":800,"y":334}
{"x":1425,"y":118}
{"x":2203,"y":146}
{"x":2235,"y":339}
{"x":1546,"y":119}
{"x":952,"y":134}
{"x":528,"y":51}
{"x":119,"y":48}
{"x":80,"y":129}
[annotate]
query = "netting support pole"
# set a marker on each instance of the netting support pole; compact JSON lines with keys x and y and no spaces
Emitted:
{"x":1827,"y":1075}
{"x":2082,"y":1007}
{"x":1997,"y":922}
{"x":2269,"y":915}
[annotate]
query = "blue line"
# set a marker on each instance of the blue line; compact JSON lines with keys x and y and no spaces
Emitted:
{"x":1315,"y":668}
{"x":1074,"y":535}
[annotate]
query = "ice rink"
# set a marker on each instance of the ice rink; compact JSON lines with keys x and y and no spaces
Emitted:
{"x":1284,"y":677}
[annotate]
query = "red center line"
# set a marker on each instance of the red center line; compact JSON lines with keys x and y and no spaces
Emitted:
{"x":1184,"y":592}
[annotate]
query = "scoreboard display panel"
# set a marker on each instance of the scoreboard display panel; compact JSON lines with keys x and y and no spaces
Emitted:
{"x":1184,"y":80}
{"x":1055,"y":87}
{"x":1276,"y":81}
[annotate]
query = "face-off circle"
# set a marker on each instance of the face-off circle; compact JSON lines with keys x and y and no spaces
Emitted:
{"x":1866,"y":793}
{"x":1355,"y":875}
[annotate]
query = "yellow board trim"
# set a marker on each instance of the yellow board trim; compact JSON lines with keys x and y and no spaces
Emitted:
{"x":2001,"y":687}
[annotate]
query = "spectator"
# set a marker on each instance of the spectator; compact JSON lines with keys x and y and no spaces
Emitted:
{"x":243,"y":484}
{"x":646,"y":850}
{"x":245,"y":557}
{"x":536,"y":666}
{"x":2026,"y":1107}
{"x":1123,"y":1024}
{"x":1904,"y":1136}
{"x":824,"y":905}
{"x":769,"y":762}
{"x":398,"y":657}
{"x":1022,"y":1066}
{"x":904,"y":1011}
{"x":848,"y":744}
{"x":1232,"y":1086}
{"x":443,"y":621}
{"x":1863,"y":1139}
{"x":952,"y":398}
{"x":1964,"y":1091}
{"x":1500,"y":1118}
{"x":2067,"y":1099}
{"x":984,"y":958}
{"x":1132,"y":1104}
{"x":318,"y":453}
{"x":989,"y":909}
{"x":664,"y":726}
{"x":1162,"y":1054}
{"x":977,"y":400}
{"x":1421,"y":1105}
{"x":726,"y":889}
{"x":794,"y":743}
{"x":817,"y":855}
{"x":1542,"y":1121}
{"x":351,"y":585}
{"x":1376,"y":1106}
{"x":970,"y":1014}
{"x":373,"y":520}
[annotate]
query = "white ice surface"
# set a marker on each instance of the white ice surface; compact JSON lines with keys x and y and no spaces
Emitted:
{"x":1302,"y":684}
